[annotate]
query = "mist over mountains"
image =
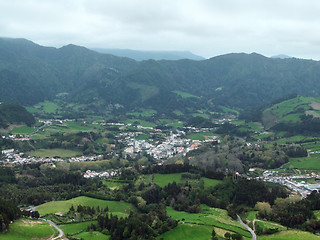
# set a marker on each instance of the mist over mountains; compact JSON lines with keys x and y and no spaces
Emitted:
{"x":147,"y":55}
{"x":30,"y":73}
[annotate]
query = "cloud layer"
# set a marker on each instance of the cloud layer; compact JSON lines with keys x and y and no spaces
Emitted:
{"x":205,"y":27}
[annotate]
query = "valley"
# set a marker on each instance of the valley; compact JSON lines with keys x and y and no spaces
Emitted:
{"x":112,"y":148}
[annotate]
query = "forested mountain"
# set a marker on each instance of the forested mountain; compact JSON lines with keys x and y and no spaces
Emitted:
{"x":13,"y":113}
{"x":30,"y":73}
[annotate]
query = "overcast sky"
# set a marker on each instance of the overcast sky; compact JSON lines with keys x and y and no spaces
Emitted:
{"x":205,"y":27}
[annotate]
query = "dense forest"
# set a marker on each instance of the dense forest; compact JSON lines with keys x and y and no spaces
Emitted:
{"x":11,"y":113}
{"x":79,"y":75}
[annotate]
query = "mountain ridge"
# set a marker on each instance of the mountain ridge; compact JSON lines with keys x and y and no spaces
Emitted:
{"x":235,"y":80}
{"x":140,"y":55}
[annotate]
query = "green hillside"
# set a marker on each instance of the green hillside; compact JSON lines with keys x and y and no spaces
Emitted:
{"x":291,"y":111}
{"x":81,"y":80}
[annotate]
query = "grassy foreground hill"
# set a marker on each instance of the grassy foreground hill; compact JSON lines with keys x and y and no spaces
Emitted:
{"x":117,"y":208}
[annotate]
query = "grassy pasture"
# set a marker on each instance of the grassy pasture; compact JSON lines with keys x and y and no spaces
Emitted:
{"x":228,"y":110}
{"x":293,"y":139}
{"x":121,"y":209}
{"x":48,"y":107}
{"x":113,"y":184}
{"x":287,"y":111}
{"x":140,"y":122}
{"x":267,"y":224}
{"x":74,"y":228}
{"x":143,"y":113}
{"x":63,"y":153}
{"x":252,"y":215}
{"x":312,"y":146}
{"x":28,"y":229}
{"x":312,"y":162}
{"x":92,"y":236}
{"x":290,"y":234}
{"x":22,"y":130}
{"x":74,"y":126}
{"x":143,"y":137}
{"x":188,"y":232}
{"x":178,"y":113}
{"x":209,"y":217}
{"x":164,"y":179}
{"x":200,"y":136}
{"x":92,"y":165}
{"x":185,"y":94}
{"x":203,"y":115}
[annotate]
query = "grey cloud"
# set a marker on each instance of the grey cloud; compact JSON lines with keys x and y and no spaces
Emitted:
{"x":206,"y":27}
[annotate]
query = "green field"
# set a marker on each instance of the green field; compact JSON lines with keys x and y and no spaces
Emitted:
{"x":164,"y":179}
{"x":121,"y":209}
{"x":92,"y":236}
{"x":143,"y":137}
{"x":210,"y":217}
{"x":48,"y":107}
{"x":185,"y":94}
{"x":312,"y":146}
{"x":28,"y":229}
{"x":140,"y":122}
{"x":203,"y":115}
{"x":75,"y":228}
{"x":200,"y":136}
{"x":59,"y":152}
{"x":312,"y":162}
{"x":22,"y":130}
{"x":290,"y":234}
{"x":178,"y":113}
{"x":143,"y":113}
{"x":78,"y":126}
{"x":113,"y":184}
{"x":252,"y":215}
{"x":188,"y":232}
{"x":92,"y":165}
{"x":267,"y":224}
{"x":289,"y":110}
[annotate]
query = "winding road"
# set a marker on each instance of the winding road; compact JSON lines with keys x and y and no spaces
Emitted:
{"x":254,"y":236}
{"x":61,"y":233}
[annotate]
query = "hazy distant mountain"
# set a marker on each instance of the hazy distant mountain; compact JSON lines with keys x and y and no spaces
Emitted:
{"x":281,"y":56}
{"x":30,"y":73}
{"x":154,"y":55}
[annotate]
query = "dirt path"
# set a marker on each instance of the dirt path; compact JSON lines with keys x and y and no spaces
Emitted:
{"x":254,"y":236}
{"x":61,"y":233}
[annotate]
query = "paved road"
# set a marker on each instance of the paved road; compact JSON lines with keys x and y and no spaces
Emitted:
{"x":61,"y":233}
{"x":254,"y":236}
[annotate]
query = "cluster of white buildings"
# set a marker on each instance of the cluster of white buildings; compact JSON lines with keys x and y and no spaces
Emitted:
{"x":301,"y":187}
{"x":173,"y":144}
{"x":85,"y":158}
{"x":11,"y":157}
{"x":106,"y":174}
{"x":18,"y":158}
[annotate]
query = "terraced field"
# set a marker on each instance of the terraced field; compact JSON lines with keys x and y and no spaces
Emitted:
{"x":209,"y":218}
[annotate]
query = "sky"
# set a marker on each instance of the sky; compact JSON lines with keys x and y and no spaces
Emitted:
{"x":204,"y":27}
